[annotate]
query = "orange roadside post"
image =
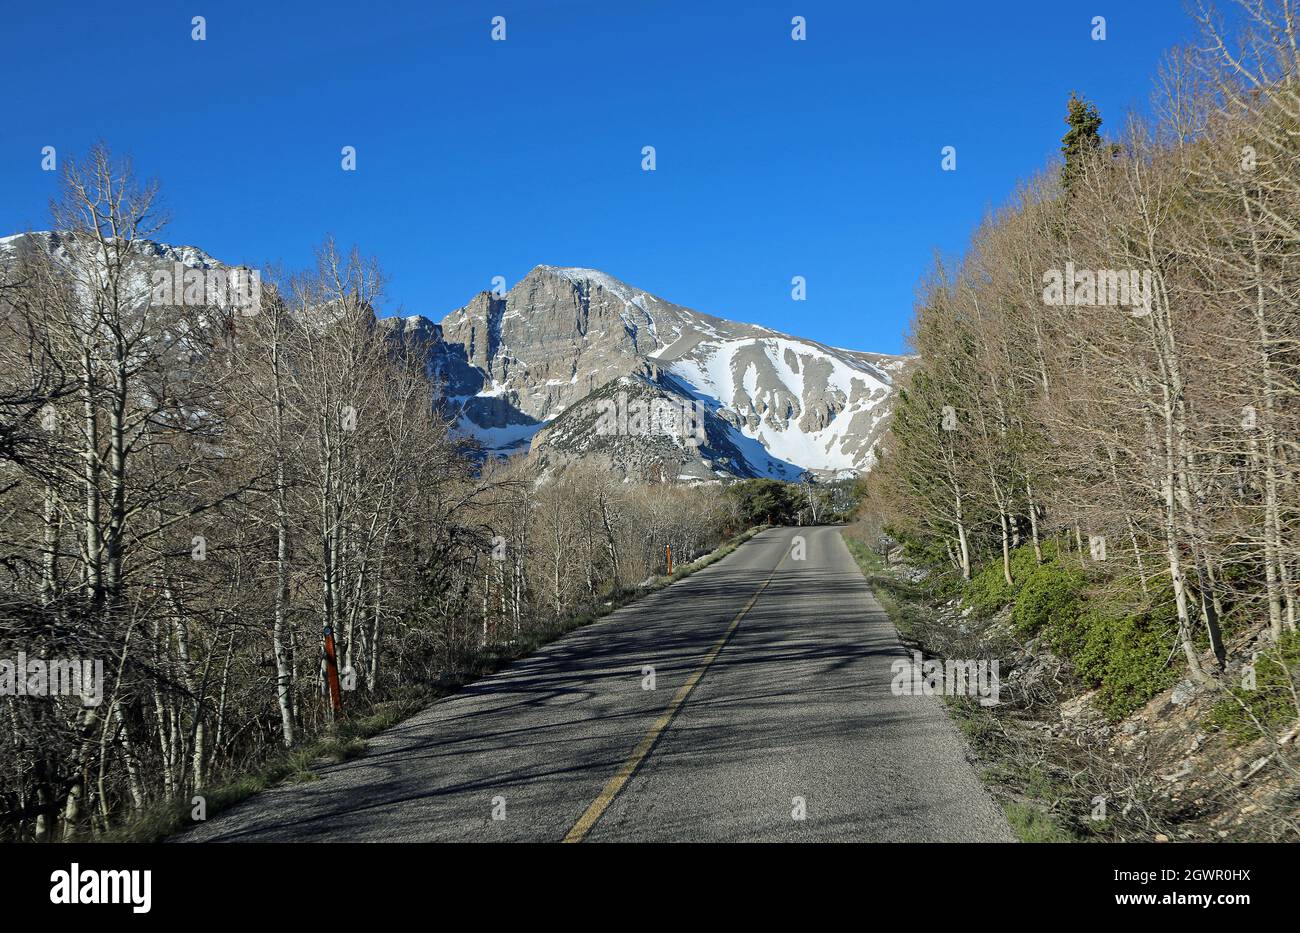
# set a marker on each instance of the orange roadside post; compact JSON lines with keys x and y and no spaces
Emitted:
{"x":668,"y":549}
{"x":332,"y":674}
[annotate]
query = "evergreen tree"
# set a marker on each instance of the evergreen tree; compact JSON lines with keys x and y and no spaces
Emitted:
{"x":1081,"y":141}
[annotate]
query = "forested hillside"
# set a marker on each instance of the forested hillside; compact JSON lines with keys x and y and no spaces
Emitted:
{"x":1103,"y":433}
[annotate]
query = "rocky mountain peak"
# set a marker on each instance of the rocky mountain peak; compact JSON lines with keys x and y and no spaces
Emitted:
{"x":564,"y":332}
{"x":525,"y":370}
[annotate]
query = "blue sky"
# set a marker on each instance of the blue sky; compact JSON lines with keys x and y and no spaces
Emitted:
{"x":478,"y":158}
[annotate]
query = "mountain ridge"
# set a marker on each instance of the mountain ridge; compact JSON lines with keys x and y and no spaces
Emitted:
{"x":518,"y":369}
{"x":562,"y":332}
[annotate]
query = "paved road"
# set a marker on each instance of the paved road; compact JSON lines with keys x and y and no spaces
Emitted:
{"x":795,"y":703}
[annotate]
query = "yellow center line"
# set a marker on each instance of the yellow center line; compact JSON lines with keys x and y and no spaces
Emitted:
{"x":624,"y":773}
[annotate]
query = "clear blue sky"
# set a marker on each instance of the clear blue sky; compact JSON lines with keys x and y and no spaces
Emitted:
{"x":478,"y":158}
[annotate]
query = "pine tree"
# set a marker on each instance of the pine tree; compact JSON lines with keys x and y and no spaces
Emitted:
{"x":1081,"y":141}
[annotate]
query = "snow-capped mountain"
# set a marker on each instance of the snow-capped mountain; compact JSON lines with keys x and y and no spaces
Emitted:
{"x":516,"y":364}
{"x":147,"y":250}
{"x":542,"y":367}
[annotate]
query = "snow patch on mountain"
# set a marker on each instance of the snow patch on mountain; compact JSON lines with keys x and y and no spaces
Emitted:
{"x":512,"y":367}
{"x":788,"y":404}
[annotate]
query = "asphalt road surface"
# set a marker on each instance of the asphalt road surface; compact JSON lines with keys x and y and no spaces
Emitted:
{"x":771,"y":701}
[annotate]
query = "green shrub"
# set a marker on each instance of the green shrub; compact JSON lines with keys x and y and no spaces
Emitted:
{"x":927,"y":552}
{"x":1272,"y":703}
{"x":1127,"y":656}
{"x":988,"y":590}
{"x":1084,"y":638}
{"x":1048,"y":592}
{"x":1140,"y":665}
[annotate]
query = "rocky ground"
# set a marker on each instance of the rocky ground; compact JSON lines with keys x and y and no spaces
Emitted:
{"x":1064,"y":771}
